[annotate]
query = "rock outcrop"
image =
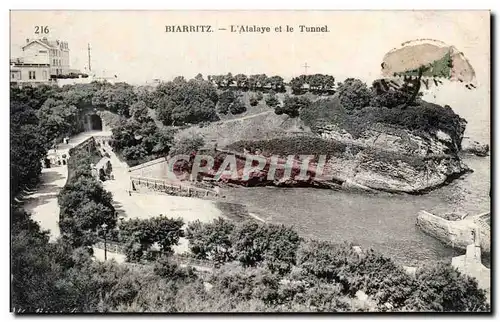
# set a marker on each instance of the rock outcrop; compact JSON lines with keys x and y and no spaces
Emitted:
{"x":382,"y":158}
{"x":473,"y":147}
{"x":396,"y":160}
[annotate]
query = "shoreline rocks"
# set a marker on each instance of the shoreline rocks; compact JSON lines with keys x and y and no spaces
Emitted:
{"x":475,"y":148}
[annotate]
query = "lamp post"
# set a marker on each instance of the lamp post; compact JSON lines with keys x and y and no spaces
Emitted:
{"x":104,"y":226}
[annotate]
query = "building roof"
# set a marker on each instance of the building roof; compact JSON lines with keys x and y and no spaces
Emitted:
{"x":39,"y":41}
{"x":54,"y":44}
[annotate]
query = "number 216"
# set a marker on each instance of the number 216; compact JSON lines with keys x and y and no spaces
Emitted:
{"x":41,"y":29}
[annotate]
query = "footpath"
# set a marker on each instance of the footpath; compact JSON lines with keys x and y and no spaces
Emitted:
{"x":42,"y":203}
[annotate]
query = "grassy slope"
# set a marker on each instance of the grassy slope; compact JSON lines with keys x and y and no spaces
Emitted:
{"x":257,"y":123}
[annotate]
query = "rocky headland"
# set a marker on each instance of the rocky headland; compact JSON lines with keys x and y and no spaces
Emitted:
{"x":379,"y":157}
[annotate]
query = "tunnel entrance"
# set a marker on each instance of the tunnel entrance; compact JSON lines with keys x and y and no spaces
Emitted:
{"x":94,"y":123}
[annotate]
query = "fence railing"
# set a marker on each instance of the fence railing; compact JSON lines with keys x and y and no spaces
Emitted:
{"x":172,"y":189}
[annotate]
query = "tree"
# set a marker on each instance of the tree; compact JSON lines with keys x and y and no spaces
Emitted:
{"x":386,"y":94}
{"x":28,"y":147}
{"x":276,"y":83}
{"x":84,"y":206}
{"x":272,"y":100}
{"x":293,"y":105}
{"x":58,"y":119}
{"x":237,"y":107}
{"x":354,"y":94}
{"x":183,"y":102}
{"x":297,"y":84}
{"x":228,"y":79}
{"x":253,"y":100}
{"x":441,"y":287}
{"x":281,"y":250}
{"x":139,"y":112}
{"x":164,"y":141}
{"x":187,"y":145}
{"x":116,"y":98}
{"x":241,"y":81}
{"x":226,"y":99}
{"x":211,"y":240}
{"x":142,"y":234}
{"x":164,"y":107}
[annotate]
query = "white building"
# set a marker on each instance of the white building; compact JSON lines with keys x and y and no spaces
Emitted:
{"x":43,"y":51}
{"x":41,"y":61}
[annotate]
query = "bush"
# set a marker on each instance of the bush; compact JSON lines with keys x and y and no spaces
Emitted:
{"x":390,"y":99}
{"x":237,"y":107}
{"x":354,"y":94}
{"x":259,"y":96}
{"x":440,"y":287}
{"x":211,"y":240}
{"x":293,"y":105}
{"x":141,"y":234}
{"x":187,"y":145}
{"x":226,"y":99}
{"x":272,"y":100}
{"x":185,"y":102}
{"x":253,"y":100}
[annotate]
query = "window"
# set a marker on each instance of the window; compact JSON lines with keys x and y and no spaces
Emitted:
{"x":45,"y":74}
{"x":42,"y":51}
{"x":13,"y":75}
{"x":31,"y":75}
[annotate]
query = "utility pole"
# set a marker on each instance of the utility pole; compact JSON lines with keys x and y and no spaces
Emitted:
{"x":305,"y":68}
{"x":90,"y":68}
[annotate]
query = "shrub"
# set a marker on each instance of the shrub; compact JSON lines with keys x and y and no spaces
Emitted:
{"x":211,"y":240}
{"x":272,"y":100}
{"x":141,"y":234}
{"x":253,"y":100}
{"x":226,"y":99}
{"x":441,"y":287}
{"x":354,"y":94}
{"x":237,"y":107}
{"x":187,"y":145}
{"x":293,"y":105}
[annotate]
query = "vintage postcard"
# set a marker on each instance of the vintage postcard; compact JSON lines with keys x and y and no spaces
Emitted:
{"x":250,"y":161}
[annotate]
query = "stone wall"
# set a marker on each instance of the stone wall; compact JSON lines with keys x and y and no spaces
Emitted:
{"x":457,"y":234}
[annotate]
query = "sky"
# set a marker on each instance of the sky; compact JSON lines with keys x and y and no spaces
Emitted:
{"x":134,"y":45}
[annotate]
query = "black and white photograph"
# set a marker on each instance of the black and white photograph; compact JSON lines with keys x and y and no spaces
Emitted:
{"x":257,"y":161}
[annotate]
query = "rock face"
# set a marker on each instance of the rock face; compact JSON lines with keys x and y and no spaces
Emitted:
{"x":475,"y":148}
{"x":459,"y":233}
{"x":396,"y":160}
{"x":380,"y":158}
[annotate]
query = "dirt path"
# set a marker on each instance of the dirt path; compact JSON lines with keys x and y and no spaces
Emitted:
{"x":42,"y":203}
{"x":246,"y":117}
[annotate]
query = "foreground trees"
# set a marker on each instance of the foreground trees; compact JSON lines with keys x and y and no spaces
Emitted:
{"x":27,"y":147}
{"x":180,"y":102}
{"x":141,"y":234}
{"x":84,"y":204}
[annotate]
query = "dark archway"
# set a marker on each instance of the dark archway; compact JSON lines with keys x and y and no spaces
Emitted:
{"x":94,"y":122}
